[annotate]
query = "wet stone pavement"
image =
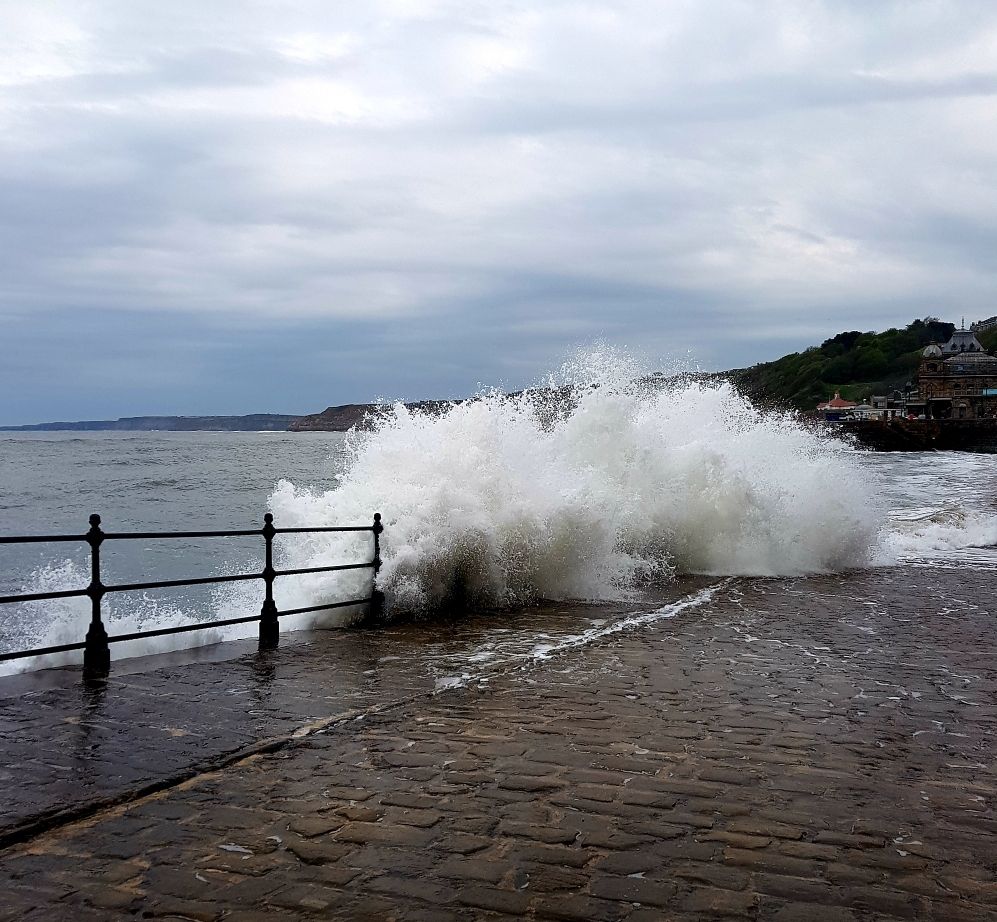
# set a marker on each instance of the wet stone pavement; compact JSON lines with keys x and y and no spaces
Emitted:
{"x":67,"y":744}
{"x":817,"y":749}
{"x":69,"y":747}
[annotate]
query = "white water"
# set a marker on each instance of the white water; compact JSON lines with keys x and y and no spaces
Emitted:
{"x":938,"y":533}
{"x":493,"y":502}
{"x":496,"y":652}
{"x":501,"y":501}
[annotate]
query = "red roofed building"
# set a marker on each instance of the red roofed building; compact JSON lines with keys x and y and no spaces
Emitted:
{"x":835,"y":408}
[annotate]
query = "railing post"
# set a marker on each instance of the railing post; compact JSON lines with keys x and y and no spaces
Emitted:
{"x":376,"y":596}
{"x":269,"y":623}
{"x":96,"y":653}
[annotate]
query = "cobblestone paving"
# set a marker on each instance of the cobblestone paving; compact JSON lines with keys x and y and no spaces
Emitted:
{"x":65,"y":744}
{"x":69,"y":743}
{"x":795,"y":750}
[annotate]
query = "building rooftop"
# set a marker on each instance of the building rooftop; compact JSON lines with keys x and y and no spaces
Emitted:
{"x":836,"y":403}
{"x":962,"y":341}
{"x":970,"y":358}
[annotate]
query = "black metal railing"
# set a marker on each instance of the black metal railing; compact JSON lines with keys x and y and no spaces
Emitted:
{"x":96,"y":645}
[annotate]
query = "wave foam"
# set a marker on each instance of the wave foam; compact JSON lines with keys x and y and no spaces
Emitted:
{"x":937,"y":533}
{"x":502,"y":500}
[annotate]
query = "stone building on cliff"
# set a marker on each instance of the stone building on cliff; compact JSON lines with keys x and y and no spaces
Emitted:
{"x":956,"y":380}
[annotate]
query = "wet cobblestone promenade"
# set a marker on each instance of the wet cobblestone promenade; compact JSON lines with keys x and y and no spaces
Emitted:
{"x":786,"y":750}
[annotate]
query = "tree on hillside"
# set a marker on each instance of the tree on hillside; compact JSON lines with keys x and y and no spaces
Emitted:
{"x":858,"y":363}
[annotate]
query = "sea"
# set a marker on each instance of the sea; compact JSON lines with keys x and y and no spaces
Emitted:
{"x":630,"y":501}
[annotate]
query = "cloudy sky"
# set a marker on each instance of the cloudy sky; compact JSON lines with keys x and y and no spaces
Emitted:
{"x":230,"y":207}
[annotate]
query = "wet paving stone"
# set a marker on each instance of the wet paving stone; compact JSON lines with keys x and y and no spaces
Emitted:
{"x":786,"y":752}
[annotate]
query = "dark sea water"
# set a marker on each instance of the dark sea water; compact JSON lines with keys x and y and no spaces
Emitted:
{"x":55,"y":480}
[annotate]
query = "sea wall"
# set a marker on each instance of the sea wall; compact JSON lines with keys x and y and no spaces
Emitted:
{"x":924,"y":434}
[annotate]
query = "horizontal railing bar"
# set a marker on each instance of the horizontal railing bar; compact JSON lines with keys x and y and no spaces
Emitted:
{"x":35,"y":539}
{"x":39,"y":596}
{"x":341,"y":566}
{"x":42,"y":651}
{"x":181,"y":629}
{"x":168,"y":583}
{"x":175,"y":583}
{"x":124,"y":535}
{"x":127,"y":535}
{"x":303,"y":611}
{"x":290,"y":531}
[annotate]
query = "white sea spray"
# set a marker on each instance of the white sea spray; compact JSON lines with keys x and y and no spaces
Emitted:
{"x":500,"y":501}
{"x":54,"y":622}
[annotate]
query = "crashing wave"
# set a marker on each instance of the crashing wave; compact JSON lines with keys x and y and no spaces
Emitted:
{"x":502,"y":500}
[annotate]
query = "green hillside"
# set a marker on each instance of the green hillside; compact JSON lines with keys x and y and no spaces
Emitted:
{"x":856,"y":364}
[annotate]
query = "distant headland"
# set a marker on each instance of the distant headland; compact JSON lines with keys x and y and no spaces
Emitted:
{"x":331,"y":419}
{"x":254,"y":422}
{"x":339,"y":419}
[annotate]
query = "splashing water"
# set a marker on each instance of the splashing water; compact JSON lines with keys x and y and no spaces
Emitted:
{"x":62,"y":621}
{"x":938,"y":533}
{"x":591,"y":490}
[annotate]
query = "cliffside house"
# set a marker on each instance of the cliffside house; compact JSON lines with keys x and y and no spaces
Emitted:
{"x":956,"y":380}
{"x":836,"y":408}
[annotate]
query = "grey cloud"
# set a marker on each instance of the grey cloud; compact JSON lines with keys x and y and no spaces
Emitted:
{"x":734,"y":101}
{"x":465,"y":191}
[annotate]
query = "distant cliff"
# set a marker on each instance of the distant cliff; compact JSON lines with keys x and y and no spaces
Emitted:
{"x":254,"y":422}
{"x":339,"y":419}
{"x":548,"y":402}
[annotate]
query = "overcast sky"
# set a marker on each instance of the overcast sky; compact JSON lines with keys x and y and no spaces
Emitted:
{"x":229,"y":207}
